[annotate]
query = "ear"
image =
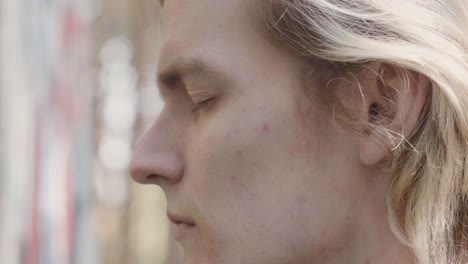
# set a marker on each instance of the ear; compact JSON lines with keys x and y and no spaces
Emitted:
{"x":393,"y":103}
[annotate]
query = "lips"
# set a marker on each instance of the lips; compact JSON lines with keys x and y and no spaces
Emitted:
{"x":178,"y":220}
{"x":183,"y":227}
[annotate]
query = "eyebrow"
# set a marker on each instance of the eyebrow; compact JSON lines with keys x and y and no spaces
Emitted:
{"x":181,"y":69}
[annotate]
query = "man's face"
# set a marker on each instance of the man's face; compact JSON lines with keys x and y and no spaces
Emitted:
{"x":260,"y":168}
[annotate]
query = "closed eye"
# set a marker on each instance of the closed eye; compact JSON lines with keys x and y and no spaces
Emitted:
{"x":202,"y":104}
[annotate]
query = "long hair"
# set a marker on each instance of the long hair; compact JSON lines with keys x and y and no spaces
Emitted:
{"x":427,"y":200}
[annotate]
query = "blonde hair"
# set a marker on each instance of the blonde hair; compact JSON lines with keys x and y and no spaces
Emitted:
{"x":427,"y":199}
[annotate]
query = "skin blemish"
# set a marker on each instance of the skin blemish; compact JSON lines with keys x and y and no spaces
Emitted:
{"x":335,"y":187}
{"x":238,"y":153}
{"x":300,"y":201}
{"x":266,"y":128}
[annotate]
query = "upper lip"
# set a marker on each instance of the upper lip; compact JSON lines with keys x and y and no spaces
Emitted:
{"x":178,"y":219}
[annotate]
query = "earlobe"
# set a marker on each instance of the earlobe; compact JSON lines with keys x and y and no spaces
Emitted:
{"x":395,"y":104}
{"x":372,"y":152}
{"x":372,"y":148}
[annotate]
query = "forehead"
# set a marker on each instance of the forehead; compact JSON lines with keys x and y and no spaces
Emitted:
{"x":206,"y":14}
{"x":205,"y":26}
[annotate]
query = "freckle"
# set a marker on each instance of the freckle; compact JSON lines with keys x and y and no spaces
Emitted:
{"x":300,"y":200}
{"x":334,"y":187}
{"x":294,"y":248}
{"x":233,"y":178}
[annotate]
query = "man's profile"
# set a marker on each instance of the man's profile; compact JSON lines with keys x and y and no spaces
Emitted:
{"x":313,"y":131}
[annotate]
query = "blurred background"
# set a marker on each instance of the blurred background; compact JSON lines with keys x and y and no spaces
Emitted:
{"x":77,"y":90}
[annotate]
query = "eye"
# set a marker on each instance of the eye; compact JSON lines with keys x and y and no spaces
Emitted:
{"x":201,"y":105}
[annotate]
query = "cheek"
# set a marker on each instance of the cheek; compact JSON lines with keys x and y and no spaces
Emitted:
{"x":245,"y":156}
{"x":231,"y":151}
{"x":255,"y":177}
{"x":234,"y":152}
{"x":226,"y":170}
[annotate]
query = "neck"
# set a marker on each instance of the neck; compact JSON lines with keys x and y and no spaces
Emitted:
{"x":372,"y":240}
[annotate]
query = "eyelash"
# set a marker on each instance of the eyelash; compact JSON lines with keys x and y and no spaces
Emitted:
{"x":201,"y":105}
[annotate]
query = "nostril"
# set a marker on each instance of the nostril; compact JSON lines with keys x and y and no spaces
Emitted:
{"x":152,"y":178}
{"x":155,"y":179}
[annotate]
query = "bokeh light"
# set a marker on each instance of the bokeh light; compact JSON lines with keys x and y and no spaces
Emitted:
{"x":77,"y":91}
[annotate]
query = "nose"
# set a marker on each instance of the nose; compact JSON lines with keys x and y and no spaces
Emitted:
{"x":157,"y":157}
